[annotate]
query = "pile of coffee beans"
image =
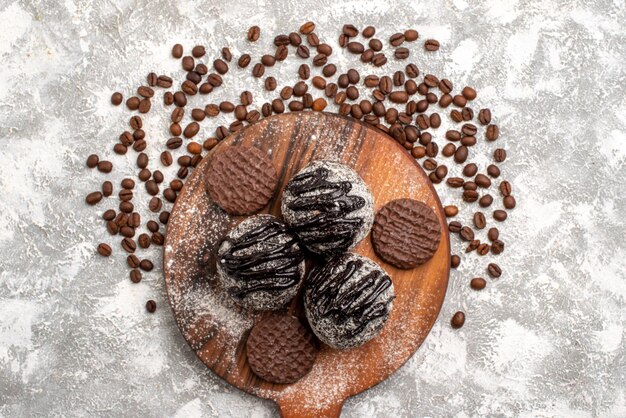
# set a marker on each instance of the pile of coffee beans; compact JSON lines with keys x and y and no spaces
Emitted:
{"x":404,"y":103}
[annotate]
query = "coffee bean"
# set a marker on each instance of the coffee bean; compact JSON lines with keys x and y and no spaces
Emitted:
{"x":132,"y":103}
{"x":134,"y":220}
{"x":177,"y":51}
{"x":509,"y":202}
{"x":146,"y":265}
{"x":470,"y":185}
{"x":157,"y":238}
{"x":379,"y":59}
{"x":132,"y":261}
{"x":494,"y":270}
{"x":145,"y":91}
{"x":254,"y":33}
{"x":164,"y":81}
{"x":142,"y":160}
{"x":499,"y":215}
{"x":485,"y":201}
{"x":127,"y":231}
{"x":319,"y":104}
{"x":92,"y":161}
{"x":493,"y":171}
{"x":493,"y":234}
{"x":448,"y":150}
{"x":152,"y":226}
{"x":497,"y":247}
{"x":258,"y":70}
{"x":479,"y":220}
{"x":191,"y":130}
{"x":455,"y":182}
{"x":128,"y":244}
{"x":484,"y":116}
{"x":473,"y":245}
{"x":112,"y":228}
{"x":469,"y":93}
{"x":455,"y":226}
{"x":450,"y":211}
{"x":116,"y":98}
{"x":135,"y":276}
{"x":442,"y":171}
{"x":492,"y":133}
{"x":93,"y":198}
{"x":445,"y":101}
{"x":431,"y":45}
{"x":470,"y":170}
{"x":151,"y":306}
{"x":478,"y":283}
{"x":144,"y":105}
{"x":459,"y":101}
{"x":325,"y":49}
{"x":483,"y":249}
{"x":170,"y":195}
{"x":399,"y":97}
{"x":458,"y":319}
{"x":482,"y":181}
{"x":466,"y":233}
{"x":104,"y":250}
{"x":470,"y":195}
{"x":244,"y":61}
{"x":107,"y":188}
{"x":105,"y":166}
{"x":461,"y":154}
{"x":126,"y":207}
{"x":469,"y":129}
{"x":455,"y":261}
{"x":108,"y":215}
{"x":499,"y":155}
{"x":505,"y":188}
{"x":164,"y":217}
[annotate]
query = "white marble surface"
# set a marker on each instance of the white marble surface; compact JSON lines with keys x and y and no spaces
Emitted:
{"x":545,"y":340}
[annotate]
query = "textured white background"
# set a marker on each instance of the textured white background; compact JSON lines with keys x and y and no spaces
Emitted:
{"x":546,"y":340}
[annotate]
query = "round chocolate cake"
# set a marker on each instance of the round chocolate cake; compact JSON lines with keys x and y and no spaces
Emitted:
{"x":329,"y":207}
{"x":260,"y":263}
{"x":348,"y":300}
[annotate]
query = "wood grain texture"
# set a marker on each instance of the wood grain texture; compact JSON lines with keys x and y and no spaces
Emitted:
{"x":196,"y":225}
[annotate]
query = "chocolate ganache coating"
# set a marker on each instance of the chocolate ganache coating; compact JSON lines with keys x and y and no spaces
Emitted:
{"x":348,"y":300}
{"x":260,"y":263}
{"x":329,"y":207}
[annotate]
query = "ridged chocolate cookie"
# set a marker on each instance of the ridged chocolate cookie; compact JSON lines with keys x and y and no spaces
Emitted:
{"x":406,"y":233}
{"x":241,"y":180}
{"x":280,"y":349}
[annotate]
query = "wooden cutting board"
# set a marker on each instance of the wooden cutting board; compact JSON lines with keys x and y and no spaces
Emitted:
{"x":216,"y":329}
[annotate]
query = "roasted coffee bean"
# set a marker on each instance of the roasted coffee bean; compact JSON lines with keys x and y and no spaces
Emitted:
{"x":145,"y":91}
{"x":220,"y":66}
{"x":127,"y":231}
{"x":180,"y":99}
{"x":155,"y":204}
{"x":468,"y":141}
{"x":445,"y":100}
{"x":320,"y":60}
{"x":442,"y":170}
{"x":146,"y":265}
{"x":401,"y":53}
{"x":479,"y":220}
{"x":329,"y":70}
{"x":151,"y":306}
{"x":505,"y":188}
{"x":470,"y":196}
{"x":493,"y":171}
{"x":191,"y":130}
{"x":399,"y":97}
{"x":132,"y":103}
{"x":144,"y":174}
{"x":120,"y":149}
{"x":128,"y":244}
{"x":104,"y":250}
{"x":93,"y":198}
{"x":485,"y":201}
{"x":459,"y":101}
{"x":157,"y":238}
{"x":478,"y":283}
{"x":165,"y":82}
{"x":494,"y":270}
{"x":482,"y":181}
{"x":177,"y":51}
{"x":455,"y":182}
{"x":108,"y":215}
{"x":470,"y":170}
{"x":307,"y":28}
{"x":244,"y":61}
{"x":430,"y":164}
{"x":492,"y":133}
{"x":379,"y":59}
{"x":418,"y":152}
{"x":116,"y":98}
{"x":469,"y":185}
{"x":268,"y":60}
{"x":126,"y":207}
{"x":105,"y":166}
{"x":170,"y":195}
{"x":458,"y":319}
{"x":143,"y":240}
{"x":467,"y":114}
{"x":152,"y":226}
{"x":300,"y":88}
{"x":461,"y":154}
{"x":497,"y":247}
{"x":448,"y":150}
{"x":499,"y":215}
{"x":509,"y":202}
{"x":164,"y":217}
{"x":466,"y":233}
{"x":212,"y":110}
{"x":144,"y":106}
{"x":142,"y":160}
{"x":151,"y":79}
{"x":473,"y":245}
{"x":325,"y":49}
{"x":493,"y":234}
{"x":499,"y":155}
{"x":350,"y":30}
{"x":189,"y":88}
{"x":174,"y":143}
{"x":258,"y":70}
{"x":469,"y":93}
{"x":125,"y":195}
{"x":92,"y":161}
{"x":107,"y":188}
{"x":431,"y":45}
{"x":135,"y":276}
{"x":469,"y":129}
{"x":112,"y":227}
{"x":450,"y":211}
{"x":455,"y":261}
{"x":133,"y":261}
{"x":484,"y":116}
{"x":254,"y":33}
{"x":455,"y":226}
{"x":152,"y":187}
{"x":134,"y":220}
{"x":453,"y":135}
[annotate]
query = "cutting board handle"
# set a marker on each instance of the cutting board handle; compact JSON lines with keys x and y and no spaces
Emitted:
{"x":294,"y":408}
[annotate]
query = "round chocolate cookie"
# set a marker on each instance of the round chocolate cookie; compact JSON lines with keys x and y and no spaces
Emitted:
{"x":260,"y":263}
{"x":348,"y":300}
{"x":280,"y":349}
{"x":406,"y":233}
{"x":241,"y":180}
{"x":329,"y":207}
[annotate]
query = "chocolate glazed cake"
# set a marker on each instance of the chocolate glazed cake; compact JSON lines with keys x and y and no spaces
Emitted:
{"x":348,"y":300}
{"x":329,"y":207}
{"x":260,"y":263}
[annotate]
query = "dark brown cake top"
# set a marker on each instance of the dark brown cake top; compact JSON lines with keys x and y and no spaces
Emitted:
{"x":241,"y":180}
{"x":406,"y":233}
{"x":280,"y":349}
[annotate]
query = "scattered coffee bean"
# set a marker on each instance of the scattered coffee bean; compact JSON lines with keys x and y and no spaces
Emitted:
{"x":451,"y":211}
{"x":492,"y":133}
{"x":497,"y":247}
{"x":478,"y":283}
{"x":505,"y":188}
{"x":499,"y":215}
{"x":431,"y":45}
{"x":151,"y":306}
{"x":494,"y":270}
{"x":116,"y":98}
{"x":493,"y":171}
{"x":485,"y":201}
{"x":254,"y":33}
{"x":128,"y":244}
{"x":93,"y":198}
{"x":466,"y":233}
{"x":479,"y":220}
{"x":458,"y":319}
{"x":455,"y":261}
{"x":104,"y":250}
